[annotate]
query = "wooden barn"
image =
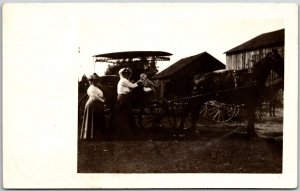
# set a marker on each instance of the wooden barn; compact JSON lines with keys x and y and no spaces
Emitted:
{"x":177,"y":79}
{"x":250,"y":52}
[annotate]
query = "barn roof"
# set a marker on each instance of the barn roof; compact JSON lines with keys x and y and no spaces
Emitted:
{"x":192,"y":65}
{"x":264,"y":40}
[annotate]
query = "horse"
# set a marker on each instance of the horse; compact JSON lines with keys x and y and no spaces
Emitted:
{"x":245,"y":86}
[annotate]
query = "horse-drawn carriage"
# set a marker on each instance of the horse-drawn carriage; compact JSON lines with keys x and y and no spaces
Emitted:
{"x":149,"y":111}
{"x":218,"y":94}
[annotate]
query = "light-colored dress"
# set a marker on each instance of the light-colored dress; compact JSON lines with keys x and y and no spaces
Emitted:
{"x":93,"y":125}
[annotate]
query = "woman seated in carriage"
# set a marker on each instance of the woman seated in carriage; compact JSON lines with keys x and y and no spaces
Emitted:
{"x":149,"y":87}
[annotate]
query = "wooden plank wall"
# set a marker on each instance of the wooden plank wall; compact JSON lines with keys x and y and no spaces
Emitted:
{"x":248,"y":58}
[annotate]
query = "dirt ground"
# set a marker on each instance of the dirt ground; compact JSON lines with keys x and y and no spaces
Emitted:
{"x":214,"y":148}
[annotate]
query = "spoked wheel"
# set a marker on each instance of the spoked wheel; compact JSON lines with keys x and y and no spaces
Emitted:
{"x":155,"y":114}
{"x":176,"y":109}
{"x":219,"y":112}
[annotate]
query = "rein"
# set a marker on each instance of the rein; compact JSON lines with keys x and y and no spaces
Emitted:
{"x":211,"y":93}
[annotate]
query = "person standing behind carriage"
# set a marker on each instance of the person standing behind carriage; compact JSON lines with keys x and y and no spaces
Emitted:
{"x":93,"y":125}
{"x":122,"y":120}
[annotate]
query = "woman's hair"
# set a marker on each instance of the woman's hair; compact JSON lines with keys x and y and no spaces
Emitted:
{"x":125,"y":72}
{"x":92,"y":81}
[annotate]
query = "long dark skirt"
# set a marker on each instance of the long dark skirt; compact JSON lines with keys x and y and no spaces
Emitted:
{"x":122,"y":124}
{"x":93,"y":125}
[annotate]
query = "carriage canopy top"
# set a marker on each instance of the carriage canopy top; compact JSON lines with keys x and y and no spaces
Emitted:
{"x":149,"y":55}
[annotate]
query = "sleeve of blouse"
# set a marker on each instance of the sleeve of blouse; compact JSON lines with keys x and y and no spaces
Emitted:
{"x":99,"y":94}
{"x":149,"y":82}
{"x":129,"y":84}
{"x":89,"y":93}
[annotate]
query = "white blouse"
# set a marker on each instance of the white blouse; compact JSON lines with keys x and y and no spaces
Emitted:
{"x":124,"y":86}
{"x":95,"y":92}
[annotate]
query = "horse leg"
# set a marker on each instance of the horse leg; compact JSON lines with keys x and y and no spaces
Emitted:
{"x":192,"y":108}
{"x":251,"y":118}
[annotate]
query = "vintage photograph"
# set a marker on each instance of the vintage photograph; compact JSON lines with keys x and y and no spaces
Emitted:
{"x":217,"y":107}
{"x":150,"y":95}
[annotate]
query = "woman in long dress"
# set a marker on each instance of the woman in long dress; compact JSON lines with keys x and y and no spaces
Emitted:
{"x":122,"y":120}
{"x":93,"y":125}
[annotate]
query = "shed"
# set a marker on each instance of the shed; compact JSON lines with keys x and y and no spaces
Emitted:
{"x":177,"y":79}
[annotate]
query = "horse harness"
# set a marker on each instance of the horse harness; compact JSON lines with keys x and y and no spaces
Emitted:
{"x":236,"y":76}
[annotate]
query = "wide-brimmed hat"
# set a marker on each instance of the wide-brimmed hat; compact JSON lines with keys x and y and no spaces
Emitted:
{"x":125,"y":71}
{"x":94,"y":76}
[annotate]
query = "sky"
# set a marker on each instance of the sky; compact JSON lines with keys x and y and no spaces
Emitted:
{"x":181,"y":30}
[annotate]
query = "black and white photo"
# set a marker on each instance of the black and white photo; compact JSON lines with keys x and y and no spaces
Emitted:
{"x":150,"y":95}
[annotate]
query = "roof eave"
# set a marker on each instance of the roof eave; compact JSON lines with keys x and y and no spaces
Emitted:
{"x":254,"y":48}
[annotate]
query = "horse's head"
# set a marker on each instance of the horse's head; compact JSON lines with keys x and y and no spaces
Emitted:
{"x":278,"y":63}
{"x":272,"y":61}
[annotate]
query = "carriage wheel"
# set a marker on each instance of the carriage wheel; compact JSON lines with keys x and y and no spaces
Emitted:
{"x":219,"y":112}
{"x":176,"y":110}
{"x":155,"y":114}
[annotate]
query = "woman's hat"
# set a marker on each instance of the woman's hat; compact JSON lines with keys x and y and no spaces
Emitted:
{"x":94,"y":76}
{"x":125,"y":71}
